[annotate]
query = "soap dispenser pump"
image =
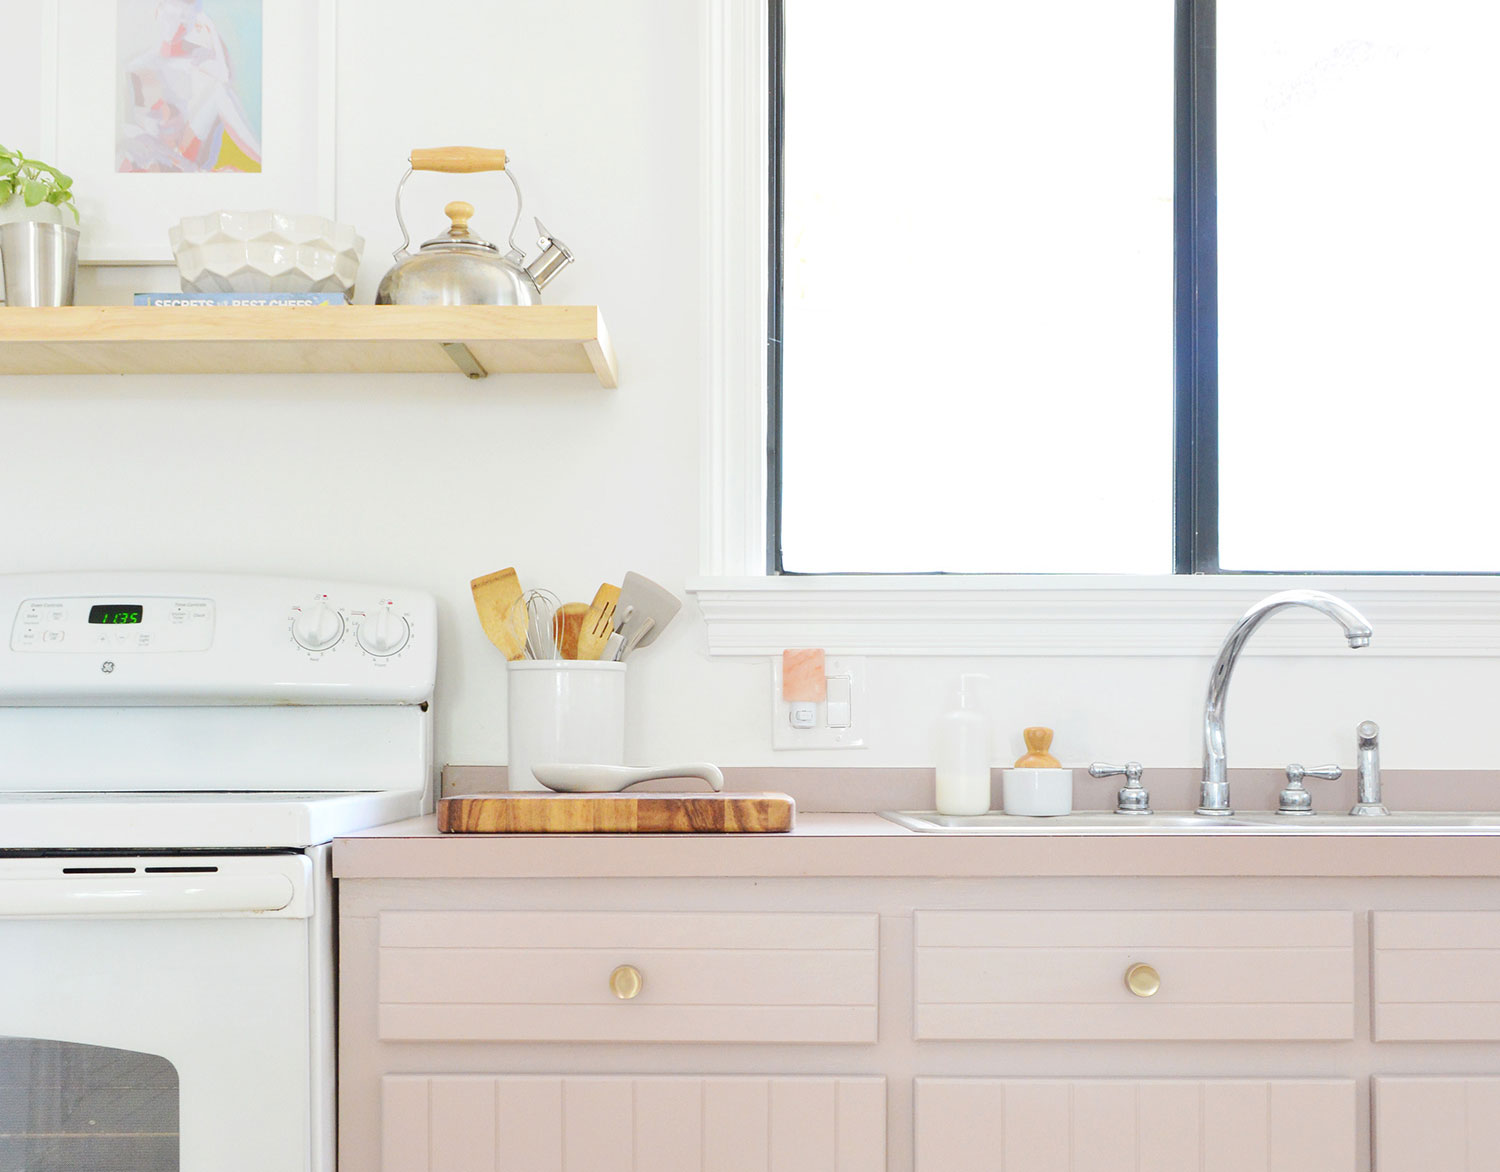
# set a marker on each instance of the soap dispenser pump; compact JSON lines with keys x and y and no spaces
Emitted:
{"x":1038,"y":786}
{"x":963,"y":753}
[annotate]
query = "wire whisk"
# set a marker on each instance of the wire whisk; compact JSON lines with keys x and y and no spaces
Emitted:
{"x":543,"y":624}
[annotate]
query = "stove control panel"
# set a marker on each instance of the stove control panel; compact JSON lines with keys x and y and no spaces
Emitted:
{"x":141,"y":638}
{"x":117,"y":625}
{"x":380,"y":629}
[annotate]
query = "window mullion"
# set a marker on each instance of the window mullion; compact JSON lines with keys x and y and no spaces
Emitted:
{"x":1195,"y":296}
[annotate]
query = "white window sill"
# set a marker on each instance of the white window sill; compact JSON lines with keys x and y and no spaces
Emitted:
{"x":1018,"y":615}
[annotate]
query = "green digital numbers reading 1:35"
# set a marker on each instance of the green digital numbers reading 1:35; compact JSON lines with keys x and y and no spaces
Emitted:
{"x":123,"y":613}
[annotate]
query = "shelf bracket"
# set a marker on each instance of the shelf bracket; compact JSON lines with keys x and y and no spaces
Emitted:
{"x":464,"y":359}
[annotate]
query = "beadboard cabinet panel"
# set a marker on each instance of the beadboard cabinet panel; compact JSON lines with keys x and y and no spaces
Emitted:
{"x":1127,"y":1125}
{"x":1436,"y":976}
{"x":525,"y":976}
{"x":1437,"y":1124}
{"x":1226,"y":976}
{"x":612,"y":1123}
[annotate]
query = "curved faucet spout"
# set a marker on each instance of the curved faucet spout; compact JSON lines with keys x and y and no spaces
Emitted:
{"x":1214,"y":798}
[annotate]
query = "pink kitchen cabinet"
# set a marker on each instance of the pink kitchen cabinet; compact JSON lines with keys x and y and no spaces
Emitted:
{"x":879,"y":1021}
{"x":1127,"y":1125}
{"x":1225,"y":975}
{"x":1436,"y":976}
{"x":1437,"y":1124}
{"x":536,"y":976}
{"x":466,"y":1123}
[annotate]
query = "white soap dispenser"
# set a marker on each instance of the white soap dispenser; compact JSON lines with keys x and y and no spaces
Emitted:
{"x":963,"y":753}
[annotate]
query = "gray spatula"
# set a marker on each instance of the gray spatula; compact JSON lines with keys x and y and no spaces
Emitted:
{"x":647,"y":608}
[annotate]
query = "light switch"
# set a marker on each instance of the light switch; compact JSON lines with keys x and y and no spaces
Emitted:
{"x":839,"y":706}
{"x":833,"y":718}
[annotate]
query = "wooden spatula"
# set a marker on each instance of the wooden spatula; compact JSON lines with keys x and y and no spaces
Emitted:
{"x":569,"y":624}
{"x":598,"y":623}
{"x":497,"y":598}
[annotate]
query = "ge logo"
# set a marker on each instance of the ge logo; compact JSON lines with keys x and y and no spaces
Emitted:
{"x":108,"y":666}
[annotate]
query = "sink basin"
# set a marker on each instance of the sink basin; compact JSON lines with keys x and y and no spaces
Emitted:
{"x":1182,"y":822}
{"x":1397,"y":822}
{"x":1090,"y":822}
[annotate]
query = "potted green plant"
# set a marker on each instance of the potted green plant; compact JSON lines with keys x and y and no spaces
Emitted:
{"x":38,"y":249}
{"x":33,"y":190}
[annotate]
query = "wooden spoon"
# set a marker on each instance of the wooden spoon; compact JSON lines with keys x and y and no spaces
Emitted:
{"x":567,"y":625}
{"x":497,"y":598}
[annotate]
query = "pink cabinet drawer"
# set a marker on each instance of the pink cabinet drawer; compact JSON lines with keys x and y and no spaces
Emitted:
{"x":478,"y":1123}
{"x":546,"y":976}
{"x":1236,"y":975}
{"x":1135,"y":1125}
{"x":1436,"y":976}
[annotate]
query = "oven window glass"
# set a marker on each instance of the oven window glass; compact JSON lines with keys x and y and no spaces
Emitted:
{"x":67,"y":1107}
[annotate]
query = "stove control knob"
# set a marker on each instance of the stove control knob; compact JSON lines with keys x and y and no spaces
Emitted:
{"x":318,"y":627}
{"x":383,"y":632}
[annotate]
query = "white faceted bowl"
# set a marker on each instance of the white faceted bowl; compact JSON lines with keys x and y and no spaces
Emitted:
{"x":265,"y":252}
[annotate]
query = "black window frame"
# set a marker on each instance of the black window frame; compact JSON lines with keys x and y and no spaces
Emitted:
{"x":1195,"y":311}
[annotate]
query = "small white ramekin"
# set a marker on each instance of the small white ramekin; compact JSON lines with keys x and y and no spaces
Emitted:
{"x":1035,"y":793}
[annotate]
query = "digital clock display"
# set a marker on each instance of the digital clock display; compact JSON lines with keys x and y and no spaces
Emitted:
{"x":126,"y":612}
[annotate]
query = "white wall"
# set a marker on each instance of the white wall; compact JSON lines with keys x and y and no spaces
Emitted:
{"x":430,"y":480}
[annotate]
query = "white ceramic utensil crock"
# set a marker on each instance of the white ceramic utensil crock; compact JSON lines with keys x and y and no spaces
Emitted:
{"x":564,"y":711}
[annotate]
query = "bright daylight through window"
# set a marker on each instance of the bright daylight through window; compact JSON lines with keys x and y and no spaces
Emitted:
{"x":1358,"y":237}
{"x":976,"y":344}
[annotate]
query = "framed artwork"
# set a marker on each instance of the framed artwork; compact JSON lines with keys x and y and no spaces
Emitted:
{"x":161,"y":109}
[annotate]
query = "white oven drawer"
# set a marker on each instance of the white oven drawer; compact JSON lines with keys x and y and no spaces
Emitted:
{"x":167,"y":1017}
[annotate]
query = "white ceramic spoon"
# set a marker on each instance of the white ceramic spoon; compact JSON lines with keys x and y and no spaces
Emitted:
{"x":609,"y":779}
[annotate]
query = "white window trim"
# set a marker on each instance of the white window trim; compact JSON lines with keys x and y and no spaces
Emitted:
{"x":749,"y":614}
{"x":735,"y":214}
{"x":1016,"y":614}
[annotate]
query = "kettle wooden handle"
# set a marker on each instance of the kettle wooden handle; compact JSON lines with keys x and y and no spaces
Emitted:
{"x":458,"y":159}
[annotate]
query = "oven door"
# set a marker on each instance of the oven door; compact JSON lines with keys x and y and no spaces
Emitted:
{"x":157,"y":1013}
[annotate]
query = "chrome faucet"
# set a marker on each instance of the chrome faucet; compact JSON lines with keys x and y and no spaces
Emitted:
{"x":1214,"y":795}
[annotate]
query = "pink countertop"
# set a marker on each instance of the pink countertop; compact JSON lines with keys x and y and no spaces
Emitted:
{"x":861,"y":845}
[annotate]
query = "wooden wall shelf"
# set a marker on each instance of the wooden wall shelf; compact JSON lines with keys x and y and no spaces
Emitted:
{"x":357,"y":339}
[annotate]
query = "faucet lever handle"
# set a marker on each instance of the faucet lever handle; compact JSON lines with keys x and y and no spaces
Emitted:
{"x":1295,"y":773}
{"x":1132,"y":798}
{"x":1295,"y":799}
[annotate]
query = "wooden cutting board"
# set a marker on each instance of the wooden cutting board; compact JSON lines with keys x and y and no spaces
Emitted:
{"x":548,"y":813}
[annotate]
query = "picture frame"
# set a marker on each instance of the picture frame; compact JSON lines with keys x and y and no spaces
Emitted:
{"x":126,"y":215}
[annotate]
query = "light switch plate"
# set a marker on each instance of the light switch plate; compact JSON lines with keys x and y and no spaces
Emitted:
{"x":820,"y":736}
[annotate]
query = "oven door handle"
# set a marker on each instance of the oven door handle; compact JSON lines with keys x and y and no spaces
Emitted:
{"x":106,"y":897}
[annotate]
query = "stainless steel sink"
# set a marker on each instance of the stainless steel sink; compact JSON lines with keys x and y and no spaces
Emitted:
{"x":1093,"y":822}
{"x":1413,"y":822}
{"x":1179,"y":822}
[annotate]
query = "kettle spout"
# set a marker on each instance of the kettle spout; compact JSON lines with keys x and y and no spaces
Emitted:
{"x":555,"y":257}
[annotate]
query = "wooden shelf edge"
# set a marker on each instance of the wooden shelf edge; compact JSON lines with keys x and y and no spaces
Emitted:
{"x":41,"y":341}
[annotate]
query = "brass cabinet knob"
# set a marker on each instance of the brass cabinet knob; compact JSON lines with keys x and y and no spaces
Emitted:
{"x":1142,"y":980}
{"x":625,"y":982}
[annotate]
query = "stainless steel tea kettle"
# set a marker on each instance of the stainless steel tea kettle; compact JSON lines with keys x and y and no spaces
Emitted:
{"x":457,"y":267}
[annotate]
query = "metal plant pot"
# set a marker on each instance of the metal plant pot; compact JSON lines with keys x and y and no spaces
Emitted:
{"x":40,"y":262}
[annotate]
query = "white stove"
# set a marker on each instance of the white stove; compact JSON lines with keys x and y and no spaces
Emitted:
{"x":176,"y":753}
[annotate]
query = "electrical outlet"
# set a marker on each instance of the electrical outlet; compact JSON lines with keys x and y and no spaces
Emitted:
{"x":837,"y":722}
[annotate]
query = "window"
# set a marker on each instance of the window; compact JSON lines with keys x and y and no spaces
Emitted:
{"x":1109,"y":287}
{"x":66,"y":1106}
